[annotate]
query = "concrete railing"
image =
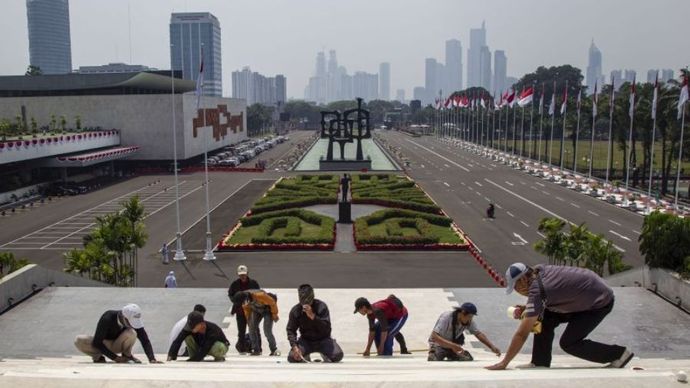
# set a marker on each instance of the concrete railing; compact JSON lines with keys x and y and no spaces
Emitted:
{"x":661,"y":281}
{"x":32,"y":278}
{"x":47,"y":146}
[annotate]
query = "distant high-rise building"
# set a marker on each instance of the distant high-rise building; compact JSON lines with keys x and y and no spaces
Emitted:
{"x":365,"y":85}
{"x":474,"y":55}
{"x":321,"y":64}
{"x":616,"y":77}
{"x":113,"y":68}
{"x":346,"y":92}
{"x":332,"y":77}
{"x":50,"y":46}
{"x":629,"y":75}
{"x":332,"y":62}
{"x":441,"y":77}
{"x":400,"y":95}
{"x":257,"y":88}
{"x":189,"y":34}
{"x":651,"y":75}
{"x":453,"y":65}
{"x":485,"y":74}
{"x":385,"y":81}
{"x":500,"y":71}
{"x":419,"y":93}
{"x":594,"y":69}
{"x":430,"y":80}
{"x":666,"y":75}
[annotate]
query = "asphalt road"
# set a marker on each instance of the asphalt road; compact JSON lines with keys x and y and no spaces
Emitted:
{"x":464,"y":183}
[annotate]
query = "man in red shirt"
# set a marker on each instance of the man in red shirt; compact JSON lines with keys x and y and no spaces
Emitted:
{"x":386,"y":318}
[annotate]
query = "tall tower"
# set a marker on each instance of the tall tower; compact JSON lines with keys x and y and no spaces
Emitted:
{"x":385,"y":81}
{"x":453,"y":65}
{"x":430,"y":80}
{"x":477,"y":41}
{"x":50,"y":46}
{"x":594,"y":72}
{"x":189,"y":33}
{"x":500,"y":71}
{"x":485,"y":74}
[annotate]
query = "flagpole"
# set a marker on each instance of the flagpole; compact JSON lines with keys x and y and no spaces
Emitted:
{"x":505,"y":135}
{"x":531,"y":122}
{"x":609,"y":145}
{"x":179,"y":252}
{"x":577,"y":129}
{"x":651,"y":156}
{"x":565,"y":115}
{"x":208,"y":256}
{"x":680,"y":156}
{"x":541,"y":123}
{"x":630,"y":136}
{"x":595,"y":100}
{"x":553,"y":120}
{"x":522,"y":133}
{"x":514,"y":126}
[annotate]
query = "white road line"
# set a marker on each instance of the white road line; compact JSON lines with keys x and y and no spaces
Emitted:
{"x":499,"y":206}
{"x":447,"y":166}
{"x":620,"y":235}
{"x":510,"y":214}
{"x":614,"y":222}
{"x":593,"y":213}
{"x":441,"y":156}
{"x":574,"y":205}
{"x":560,"y":199}
{"x":446,"y":183}
{"x":540,"y":184}
{"x":522,"y":183}
{"x":545,"y":192}
{"x":533,"y":188}
{"x":478,"y":193}
{"x":637,"y":232}
{"x":619,"y":248}
{"x":509,"y":184}
{"x":524,"y":223}
{"x":462,"y":183}
{"x":478,"y":184}
{"x":487,"y":199}
{"x":528,"y":201}
{"x":541,"y":234}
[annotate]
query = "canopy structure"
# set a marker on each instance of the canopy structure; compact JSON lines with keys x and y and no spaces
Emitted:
{"x":92,"y":157}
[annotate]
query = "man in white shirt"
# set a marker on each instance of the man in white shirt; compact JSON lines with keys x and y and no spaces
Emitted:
{"x":179,"y":326}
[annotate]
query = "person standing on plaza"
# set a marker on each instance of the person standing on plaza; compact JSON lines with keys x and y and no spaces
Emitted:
{"x":386,"y":318}
{"x":170,"y":280}
{"x":164,"y":254}
{"x":242,"y":283}
{"x":313,"y":320}
{"x":561,"y":294}
{"x":345,"y":186}
{"x":116,"y":332}
{"x":259,"y":305}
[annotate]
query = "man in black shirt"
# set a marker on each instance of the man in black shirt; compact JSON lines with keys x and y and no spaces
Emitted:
{"x":202,"y":338}
{"x":116,"y":332}
{"x":242,"y":283}
{"x":312,"y":319}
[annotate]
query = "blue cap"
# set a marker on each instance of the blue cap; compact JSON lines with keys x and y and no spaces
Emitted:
{"x":469,"y":308}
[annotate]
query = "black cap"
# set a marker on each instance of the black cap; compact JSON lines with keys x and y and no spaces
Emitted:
{"x":469,"y":308}
{"x":194,"y":318}
{"x":361,"y":302}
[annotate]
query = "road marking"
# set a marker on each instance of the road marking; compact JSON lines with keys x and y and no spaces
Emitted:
{"x":524,"y":223}
{"x":510,"y":214}
{"x":478,"y":184}
{"x":593,"y":213}
{"x":614,"y":222}
{"x":493,"y":165}
{"x":447,"y":166}
{"x":441,"y":156}
{"x":541,"y":234}
{"x":619,"y":248}
{"x":575,"y":205}
{"x":636,"y":232}
{"x":522,"y":183}
{"x":560,"y":199}
{"x":446,"y":183}
{"x":540,"y":184}
{"x":533,"y":188}
{"x":462,"y":183}
{"x":528,"y":201}
{"x":478,"y":193}
{"x":509,"y":184}
{"x":521,"y":242}
{"x":421,"y":165}
{"x":619,"y":235}
{"x":545,"y":192}
{"x":499,"y":206}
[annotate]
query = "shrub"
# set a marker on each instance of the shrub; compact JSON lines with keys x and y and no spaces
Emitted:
{"x":665,"y":241}
{"x":293,"y":227}
{"x":393,"y":229}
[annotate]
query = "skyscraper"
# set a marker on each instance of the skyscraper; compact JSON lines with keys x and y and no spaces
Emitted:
{"x":500,"y":71}
{"x":485,"y":74}
{"x":50,"y":46}
{"x":385,"y":81}
{"x":321,"y":63}
{"x":281,"y":89}
{"x":453,"y":65}
{"x":477,"y":41}
{"x":430,"y":80}
{"x":666,"y":75}
{"x":242,"y":85}
{"x":257,"y":88}
{"x":594,"y":72}
{"x":365,"y":85}
{"x":189,"y":33}
{"x":400,"y":95}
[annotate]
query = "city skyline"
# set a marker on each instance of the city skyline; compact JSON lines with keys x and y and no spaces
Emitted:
{"x":246,"y":43}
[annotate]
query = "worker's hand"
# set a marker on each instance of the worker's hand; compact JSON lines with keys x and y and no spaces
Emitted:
{"x":297,"y":353}
{"x":496,"y":351}
{"x":366,"y":353}
{"x":276,"y":319}
{"x":307,"y":310}
{"x":458,"y":349}
{"x":121,"y":360}
{"x":500,"y":366}
{"x":519,"y":310}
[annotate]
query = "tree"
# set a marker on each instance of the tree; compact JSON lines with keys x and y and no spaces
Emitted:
{"x":78,"y":262}
{"x":4,"y":129}
{"x":553,"y":244}
{"x":665,"y":241}
{"x":63,"y":123}
{"x":9,"y":264}
{"x":32,"y":70}
{"x":34,"y":127}
{"x":259,"y":116}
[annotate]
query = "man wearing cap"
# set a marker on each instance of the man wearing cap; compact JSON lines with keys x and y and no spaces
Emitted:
{"x":313,"y":320}
{"x":386,"y":318}
{"x":242,"y":283}
{"x":555,"y":295}
{"x":179,"y":326}
{"x":448,"y":336}
{"x":202,"y":338}
{"x":116,"y":332}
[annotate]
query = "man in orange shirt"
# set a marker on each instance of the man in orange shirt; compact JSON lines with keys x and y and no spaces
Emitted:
{"x":259,"y":305}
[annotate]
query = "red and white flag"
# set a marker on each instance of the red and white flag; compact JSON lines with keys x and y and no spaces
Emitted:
{"x":200,"y":81}
{"x":510,"y":99}
{"x":525,"y":97}
{"x":500,"y":101}
{"x":564,"y":105}
{"x":447,"y":103}
{"x":552,"y":106}
{"x":631,"y":111}
{"x":541,"y":100}
{"x":655,"y":99}
{"x":683,"y":98}
{"x":595,"y":100}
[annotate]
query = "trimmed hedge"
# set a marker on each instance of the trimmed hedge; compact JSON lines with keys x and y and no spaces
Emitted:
{"x":270,"y":221}
{"x":299,"y":191}
{"x":391,"y":191}
{"x":409,"y":219}
{"x":293,"y":228}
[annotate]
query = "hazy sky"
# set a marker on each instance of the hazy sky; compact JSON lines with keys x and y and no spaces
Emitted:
{"x":283,"y":36}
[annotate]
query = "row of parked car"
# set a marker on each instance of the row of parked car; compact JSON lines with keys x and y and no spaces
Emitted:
{"x":234,"y":155}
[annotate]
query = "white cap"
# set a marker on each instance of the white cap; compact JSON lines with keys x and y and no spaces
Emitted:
{"x":242,"y":270}
{"x":513,"y":274}
{"x":133,"y":314}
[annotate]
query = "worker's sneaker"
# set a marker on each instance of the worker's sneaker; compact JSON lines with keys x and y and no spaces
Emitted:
{"x":219,"y":359}
{"x":275,"y":353}
{"x":465,"y":356}
{"x":99,"y":360}
{"x":623,"y":360}
{"x":405,"y":351}
{"x":255,"y":353}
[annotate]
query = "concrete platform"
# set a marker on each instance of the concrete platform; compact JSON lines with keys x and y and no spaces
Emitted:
{"x":37,"y":351}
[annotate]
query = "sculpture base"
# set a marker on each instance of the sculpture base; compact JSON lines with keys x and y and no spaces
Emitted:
{"x":344,"y":212}
{"x":344,"y":165}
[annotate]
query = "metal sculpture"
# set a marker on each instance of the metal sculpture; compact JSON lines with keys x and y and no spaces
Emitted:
{"x":345,"y":127}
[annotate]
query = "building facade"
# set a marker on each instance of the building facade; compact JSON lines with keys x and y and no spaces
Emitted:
{"x":113,"y":68}
{"x":189,"y":34}
{"x":385,"y":81}
{"x":500,"y":71}
{"x":50,"y":46}
{"x":453,"y":65}
{"x":594,"y":68}
{"x":474,"y":54}
{"x":430,"y":81}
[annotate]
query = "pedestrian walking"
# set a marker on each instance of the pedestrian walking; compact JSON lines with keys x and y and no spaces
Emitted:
{"x":164,"y":254}
{"x":170,"y":280}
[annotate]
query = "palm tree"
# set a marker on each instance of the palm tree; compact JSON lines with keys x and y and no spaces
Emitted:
{"x":575,"y":244}
{"x":9,"y":264}
{"x":78,"y":261}
{"x":553,"y":244}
